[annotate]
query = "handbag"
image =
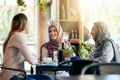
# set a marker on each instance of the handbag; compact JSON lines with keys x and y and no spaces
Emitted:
{"x":16,"y":77}
{"x":114,"y":59}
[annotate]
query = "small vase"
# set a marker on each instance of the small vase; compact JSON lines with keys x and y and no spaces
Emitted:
{"x":66,"y":55}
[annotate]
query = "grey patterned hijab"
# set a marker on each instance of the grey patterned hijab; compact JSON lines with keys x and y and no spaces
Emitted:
{"x":101,"y":35}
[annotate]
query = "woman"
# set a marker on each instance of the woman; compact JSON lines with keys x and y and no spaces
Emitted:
{"x":55,"y":42}
{"x":105,"y":50}
{"x":15,"y":49}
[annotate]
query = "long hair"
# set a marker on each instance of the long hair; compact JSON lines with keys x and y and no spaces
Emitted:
{"x":102,"y":31}
{"x":18,"y":24}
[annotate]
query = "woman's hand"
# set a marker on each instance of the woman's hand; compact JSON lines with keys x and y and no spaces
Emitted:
{"x":59,"y":40}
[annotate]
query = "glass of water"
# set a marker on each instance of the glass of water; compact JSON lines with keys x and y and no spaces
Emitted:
{"x":55,"y":57}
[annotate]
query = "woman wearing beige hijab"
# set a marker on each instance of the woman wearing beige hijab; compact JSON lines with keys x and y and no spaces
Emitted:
{"x":55,"y":41}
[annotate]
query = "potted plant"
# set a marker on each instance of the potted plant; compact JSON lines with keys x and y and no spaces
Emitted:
{"x":82,"y":49}
{"x":21,"y":3}
{"x":40,"y":3}
{"x":67,"y":53}
{"x":43,"y":4}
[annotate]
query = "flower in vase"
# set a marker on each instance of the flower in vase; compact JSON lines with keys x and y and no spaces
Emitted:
{"x":67,"y":52}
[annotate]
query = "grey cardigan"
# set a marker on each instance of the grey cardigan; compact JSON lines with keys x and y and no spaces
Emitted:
{"x":105,"y":52}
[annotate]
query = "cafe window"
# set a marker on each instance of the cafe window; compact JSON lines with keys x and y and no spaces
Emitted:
{"x":8,"y":8}
{"x":105,"y":10}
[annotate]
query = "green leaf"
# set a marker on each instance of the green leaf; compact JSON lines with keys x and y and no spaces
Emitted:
{"x":67,"y":51}
{"x":74,"y":47}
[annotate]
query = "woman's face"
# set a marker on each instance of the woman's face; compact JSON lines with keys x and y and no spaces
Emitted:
{"x":94,"y":31}
{"x":53,"y":34}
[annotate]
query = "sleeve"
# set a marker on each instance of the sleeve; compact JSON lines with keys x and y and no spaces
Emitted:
{"x":91,"y":56}
{"x":21,"y":44}
{"x":107,"y":52}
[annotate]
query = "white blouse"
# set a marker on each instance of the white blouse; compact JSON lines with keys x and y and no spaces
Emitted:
{"x":16,"y":52}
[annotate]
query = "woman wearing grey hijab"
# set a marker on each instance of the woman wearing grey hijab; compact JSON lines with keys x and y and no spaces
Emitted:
{"x":105,"y":50}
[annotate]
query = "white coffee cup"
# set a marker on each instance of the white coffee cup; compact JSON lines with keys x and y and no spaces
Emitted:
{"x":47,"y":60}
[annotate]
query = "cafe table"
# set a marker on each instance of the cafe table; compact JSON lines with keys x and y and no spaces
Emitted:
{"x":90,"y":77}
{"x":51,"y":67}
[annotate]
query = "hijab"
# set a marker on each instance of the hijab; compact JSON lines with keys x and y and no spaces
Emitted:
{"x":101,"y":36}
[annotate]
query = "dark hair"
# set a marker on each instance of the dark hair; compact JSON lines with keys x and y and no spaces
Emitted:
{"x":18,"y":24}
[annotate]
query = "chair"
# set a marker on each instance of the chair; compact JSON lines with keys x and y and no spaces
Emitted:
{"x":102,"y":68}
{"x":77,"y":65}
{"x":25,"y":76}
{"x":41,"y":77}
{"x":28,"y":77}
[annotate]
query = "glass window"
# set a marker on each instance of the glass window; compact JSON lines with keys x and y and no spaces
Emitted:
{"x":14,"y":2}
{"x":8,"y":8}
{"x":105,"y":10}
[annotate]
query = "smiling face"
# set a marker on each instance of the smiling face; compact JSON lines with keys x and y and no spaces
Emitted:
{"x":53,"y":33}
{"x":94,"y":31}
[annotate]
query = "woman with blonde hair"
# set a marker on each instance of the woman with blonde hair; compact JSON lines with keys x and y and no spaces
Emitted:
{"x":15,"y":48}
